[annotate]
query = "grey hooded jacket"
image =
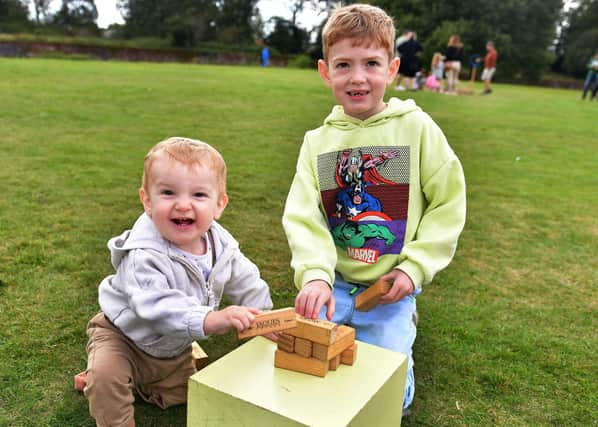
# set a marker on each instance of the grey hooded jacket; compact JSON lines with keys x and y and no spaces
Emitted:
{"x":159,"y":300}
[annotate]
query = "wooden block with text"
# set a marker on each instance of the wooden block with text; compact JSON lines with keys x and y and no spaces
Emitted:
{"x":369,"y":298}
{"x":316,"y":330}
{"x":345,"y":338}
{"x":349,"y":356}
{"x":286,"y":343}
{"x":270,"y":321}
{"x":333,"y":363}
{"x":303,"y":347}
{"x":294,"y":362}
{"x":200,"y":358}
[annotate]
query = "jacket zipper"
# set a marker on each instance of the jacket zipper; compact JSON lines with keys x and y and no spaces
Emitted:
{"x":198,"y":278}
{"x":207,"y":284}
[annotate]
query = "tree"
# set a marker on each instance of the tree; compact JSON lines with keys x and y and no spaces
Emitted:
{"x":77,"y":17}
{"x":522,"y":30}
{"x":184,"y":22}
{"x":189,"y":22}
{"x":257,"y":26}
{"x":13,"y":16}
{"x":233,"y":21}
{"x":41,"y":10}
{"x":143,"y":18}
{"x":287,"y":37}
{"x":298,"y":6}
{"x":578,"y":39}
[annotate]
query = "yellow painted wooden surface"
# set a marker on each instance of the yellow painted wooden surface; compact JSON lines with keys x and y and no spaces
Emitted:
{"x":245,"y":389}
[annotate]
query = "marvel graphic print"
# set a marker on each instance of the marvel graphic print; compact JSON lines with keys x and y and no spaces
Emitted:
{"x":365,"y":194}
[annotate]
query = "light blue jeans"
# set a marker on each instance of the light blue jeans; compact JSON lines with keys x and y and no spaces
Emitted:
{"x":390,"y":326}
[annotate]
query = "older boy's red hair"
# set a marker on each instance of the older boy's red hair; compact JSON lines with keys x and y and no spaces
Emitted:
{"x":364,"y":24}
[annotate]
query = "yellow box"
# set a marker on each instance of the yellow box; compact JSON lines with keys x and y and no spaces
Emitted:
{"x":244,"y":388}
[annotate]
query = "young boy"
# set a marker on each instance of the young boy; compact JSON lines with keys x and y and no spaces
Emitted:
{"x":172,"y":270}
{"x":378,"y":193}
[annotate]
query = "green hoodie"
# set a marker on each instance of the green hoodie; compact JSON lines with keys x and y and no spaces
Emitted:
{"x":372,"y":195}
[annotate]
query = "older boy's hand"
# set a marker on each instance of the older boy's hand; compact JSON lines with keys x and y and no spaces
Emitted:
{"x":272,"y":336}
{"x":232,"y":317}
{"x":401,"y":286}
{"x":313,"y":297}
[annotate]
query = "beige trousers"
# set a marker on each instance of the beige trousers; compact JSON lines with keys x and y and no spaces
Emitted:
{"x":116,"y":368}
{"x":452,"y":75}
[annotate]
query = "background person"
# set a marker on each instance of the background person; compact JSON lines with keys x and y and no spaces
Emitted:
{"x":453,"y":60}
{"x":489,"y":66}
{"x":265,"y":56}
{"x":409,"y":52}
{"x":591,"y":78}
{"x":400,"y":40}
{"x":437,"y":69}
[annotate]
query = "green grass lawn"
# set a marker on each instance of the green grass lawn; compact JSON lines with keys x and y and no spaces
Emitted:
{"x":507,"y":334}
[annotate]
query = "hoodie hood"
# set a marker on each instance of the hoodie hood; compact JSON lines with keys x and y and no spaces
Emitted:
{"x":145,"y":235}
{"x":395,"y":108}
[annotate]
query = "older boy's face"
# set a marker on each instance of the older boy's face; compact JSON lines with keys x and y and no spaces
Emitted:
{"x":182,"y":202}
{"x":358,"y":76}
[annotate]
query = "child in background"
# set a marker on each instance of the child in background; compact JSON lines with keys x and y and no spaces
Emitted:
{"x":172,"y":270}
{"x":377,"y":194}
{"x":437,"y":69}
{"x":433,"y":84}
{"x":420,"y":79}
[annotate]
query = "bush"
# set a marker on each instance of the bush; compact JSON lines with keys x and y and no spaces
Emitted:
{"x":301,"y":61}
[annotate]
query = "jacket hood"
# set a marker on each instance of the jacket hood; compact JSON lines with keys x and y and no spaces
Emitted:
{"x":145,"y":235}
{"x":338,"y":119}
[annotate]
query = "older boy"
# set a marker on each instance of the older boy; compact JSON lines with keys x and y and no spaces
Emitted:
{"x":378,"y":193}
{"x":172,"y":270}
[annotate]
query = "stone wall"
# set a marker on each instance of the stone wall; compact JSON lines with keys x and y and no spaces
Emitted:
{"x":31,"y":49}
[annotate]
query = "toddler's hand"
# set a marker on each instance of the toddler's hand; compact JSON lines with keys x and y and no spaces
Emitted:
{"x":313,"y":297}
{"x":232,"y":317}
{"x":401,"y":286}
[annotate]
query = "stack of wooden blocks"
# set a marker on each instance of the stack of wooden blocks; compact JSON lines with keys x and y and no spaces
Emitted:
{"x":315,"y":347}
{"x":311,"y":346}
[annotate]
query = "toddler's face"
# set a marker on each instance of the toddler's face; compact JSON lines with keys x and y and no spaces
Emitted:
{"x":358,"y":76}
{"x":182,"y":201}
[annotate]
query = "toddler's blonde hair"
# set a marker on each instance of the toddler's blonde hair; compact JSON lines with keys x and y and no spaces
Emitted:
{"x":436,"y":59}
{"x":189,"y":152}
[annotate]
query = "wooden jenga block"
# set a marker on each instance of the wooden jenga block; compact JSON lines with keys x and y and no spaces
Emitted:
{"x":303,"y":347}
{"x":316,"y":330}
{"x":349,"y":356}
{"x":200,"y":358}
{"x":334,"y":362}
{"x":369,"y":298}
{"x":286,"y":343}
{"x":270,"y":321}
{"x":294,"y":362}
{"x":345,"y":337}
